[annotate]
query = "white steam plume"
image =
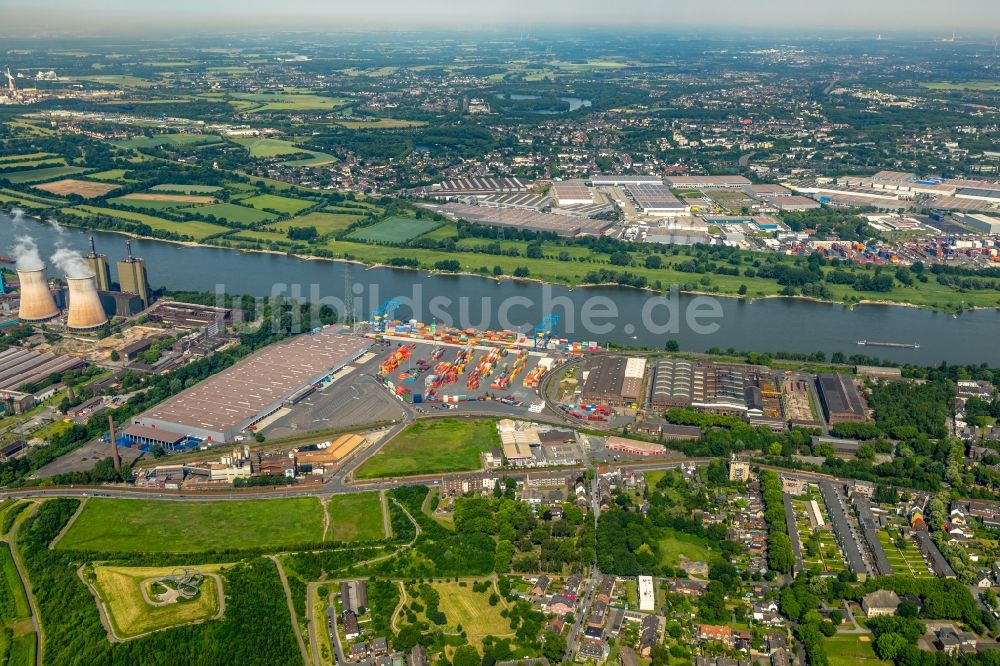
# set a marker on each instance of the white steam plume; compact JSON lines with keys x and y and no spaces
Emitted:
{"x":26,"y":254}
{"x":68,"y":260}
{"x":71,"y":263}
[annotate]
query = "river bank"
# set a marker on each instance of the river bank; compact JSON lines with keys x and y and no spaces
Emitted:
{"x":845,"y":302}
{"x":623,"y":317}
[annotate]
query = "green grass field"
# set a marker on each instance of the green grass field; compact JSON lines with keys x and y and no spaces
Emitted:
{"x":13,"y":601}
{"x":278,"y":203}
{"x":172,"y":188}
{"x":35,"y":163}
{"x":380,"y":123}
{"x":121,"y":590}
{"x":6,"y":160}
{"x":987,"y":86}
{"x":472,"y":611}
{"x":673,"y":544}
{"x":22,"y":201}
{"x":172,"y":140}
{"x":22,"y":650}
{"x":847,"y":650}
{"x":38,"y":175}
{"x":266,"y":237}
{"x":432,"y":447}
{"x":266,"y":147}
{"x":153,"y":204}
{"x":231,"y":212}
{"x":394,"y":230}
{"x":356,"y":517}
{"x":907,"y":561}
{"x":194,"y":229}
{"x":110,"y":174}
{"x":174,"y":527}
{"x":291,"y":102}
{"x":325,"y":223}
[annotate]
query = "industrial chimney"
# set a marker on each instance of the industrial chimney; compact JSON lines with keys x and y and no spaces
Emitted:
{"x":85,"y":311}
{"x":37,"y":303}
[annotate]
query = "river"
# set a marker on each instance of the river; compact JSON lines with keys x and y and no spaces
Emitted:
{"x":615,"y":314}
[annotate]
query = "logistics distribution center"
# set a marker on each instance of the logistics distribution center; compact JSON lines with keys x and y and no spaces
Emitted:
{"x":224,"y":405}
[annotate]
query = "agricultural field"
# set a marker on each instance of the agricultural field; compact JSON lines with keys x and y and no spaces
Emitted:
{"x":356,"y":517}
{"x":987,"y":86}
{"x":185,"y":189}
{"x":126,"y":593}
{"x":36,"y":163}
{"x":380,"y":123}
{"x":265,"y":148}
{"x":471,"y":610}
{"x":133,"y":526}
{"x":394,"y":230}
{"x":194,"y":229}
{"x":263,"y":102}
{"x":908,"y":560}
{"x":110,"y":174}
{"x":170,"y":140}
{"x":160,"y":200}
{"x":325,"y":223}
{"x":7,"y":160}
{"x":39,"y":175}
{"x":433,"y":447}
{"x":851,"y":649}
{"x":83,"y":188}
{"x":278,"y":203}
{"x":231,"y":213}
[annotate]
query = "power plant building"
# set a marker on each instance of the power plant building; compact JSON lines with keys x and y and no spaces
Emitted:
{"x":98,"y":264}
{"x":85,"y":311}
{"x":37,"y":301}
{"x":132,"y":276}
{"x":225,"y":405}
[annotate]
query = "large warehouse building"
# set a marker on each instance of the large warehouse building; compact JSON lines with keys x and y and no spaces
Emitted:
{"x":840,"y":398}
{"x":708,"y":182}
{"x":656,"y":199}
{"x":614,"y":380}
{"x":224,"y":405}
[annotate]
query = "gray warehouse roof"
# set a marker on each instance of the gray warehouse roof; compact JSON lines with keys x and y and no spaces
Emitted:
{"x":238,"y":396}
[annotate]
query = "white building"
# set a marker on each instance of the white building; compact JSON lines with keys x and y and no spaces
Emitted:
{"x":647,"y":595}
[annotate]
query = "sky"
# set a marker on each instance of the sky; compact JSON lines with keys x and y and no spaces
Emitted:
{"x":41,"y":16}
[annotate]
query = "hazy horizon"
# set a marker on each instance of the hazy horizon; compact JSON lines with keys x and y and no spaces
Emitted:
{"x":41,"y":17}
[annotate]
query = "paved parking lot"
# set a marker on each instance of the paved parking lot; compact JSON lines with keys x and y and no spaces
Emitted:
{"x":353,"y":401}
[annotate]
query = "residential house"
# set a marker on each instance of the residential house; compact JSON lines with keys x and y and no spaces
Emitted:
{"x":716,"y":633}
{"x":880,"y":602}
{"x":954,"y":642}
{"x":596,"y":651}
{"x":571,"y":589}
{"x":380,"y":646}
{"x":649,"y":635}
{"x":351,"y":629}
{"x":560,"y":606}
{"x":417,"y":656}
{"x":358,"y":651}
{"x":541,"y":584}
{"x":606,"y":589}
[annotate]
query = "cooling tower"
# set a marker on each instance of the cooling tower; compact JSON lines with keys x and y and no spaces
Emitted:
{"x":37,"y":303}
{"x":85,"y":310}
